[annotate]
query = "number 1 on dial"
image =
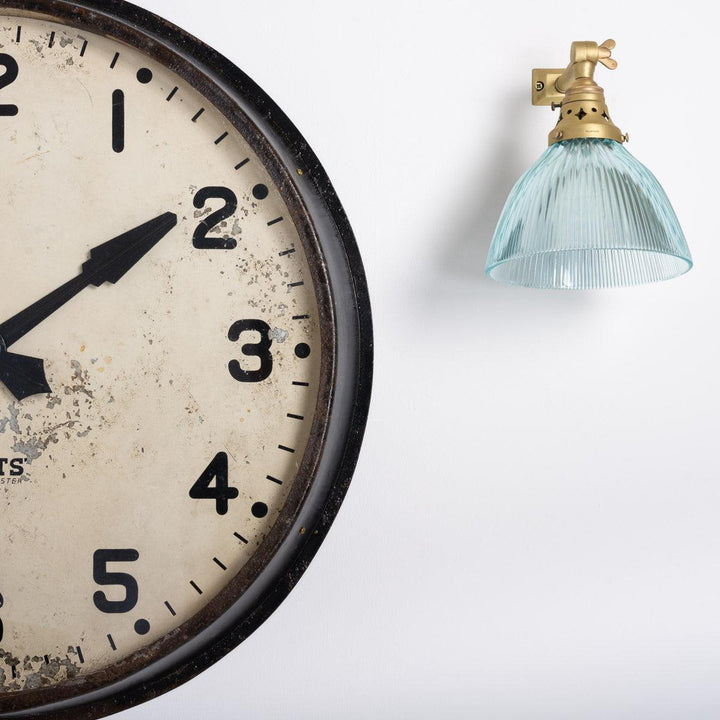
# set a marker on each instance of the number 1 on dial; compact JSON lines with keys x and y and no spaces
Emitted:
{"x":118,"y":121}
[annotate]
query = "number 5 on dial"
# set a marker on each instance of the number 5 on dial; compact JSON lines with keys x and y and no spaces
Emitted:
{"x":103,"y":577}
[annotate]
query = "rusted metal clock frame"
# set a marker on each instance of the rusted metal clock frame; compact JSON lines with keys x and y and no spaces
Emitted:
{"x":344,"y":398}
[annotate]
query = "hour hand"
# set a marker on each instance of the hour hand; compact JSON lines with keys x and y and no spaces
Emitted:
{"x":22,"y":375}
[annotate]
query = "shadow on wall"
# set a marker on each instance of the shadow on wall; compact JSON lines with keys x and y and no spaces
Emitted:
{"x":463,"y":241}
{"x":467,"y":239}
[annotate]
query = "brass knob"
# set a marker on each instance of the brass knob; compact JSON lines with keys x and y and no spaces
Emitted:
{"x":605,"y":52}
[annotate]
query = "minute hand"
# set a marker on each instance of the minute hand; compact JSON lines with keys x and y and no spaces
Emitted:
{"x":108,"y":263}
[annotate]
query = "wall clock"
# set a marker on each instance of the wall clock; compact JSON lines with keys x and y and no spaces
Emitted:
{"x":185,"y":357}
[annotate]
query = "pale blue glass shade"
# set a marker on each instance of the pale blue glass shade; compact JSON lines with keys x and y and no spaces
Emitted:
{"x":587,"y":215}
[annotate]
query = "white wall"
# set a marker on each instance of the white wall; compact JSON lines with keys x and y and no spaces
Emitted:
{"x":534,"y":527}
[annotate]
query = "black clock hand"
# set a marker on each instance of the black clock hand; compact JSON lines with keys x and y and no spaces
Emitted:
{"x":25,"y":376}
{"x":22,"y":375}
{"x":107,"y":263}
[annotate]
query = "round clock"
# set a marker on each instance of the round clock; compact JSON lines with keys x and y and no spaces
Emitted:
{"x":185,"y":357}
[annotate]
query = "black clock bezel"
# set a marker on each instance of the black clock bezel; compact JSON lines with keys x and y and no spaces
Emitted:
{"x":346,"y":291}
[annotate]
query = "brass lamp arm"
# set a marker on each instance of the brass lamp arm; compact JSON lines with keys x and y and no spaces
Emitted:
{"x":584,"y":113}
{"x":584,"y":57}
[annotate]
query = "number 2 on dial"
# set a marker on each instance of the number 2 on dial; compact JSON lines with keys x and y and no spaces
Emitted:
{"x":8,"y":78}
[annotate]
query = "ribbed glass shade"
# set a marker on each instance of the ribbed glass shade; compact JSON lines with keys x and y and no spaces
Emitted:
{"x":587,"y":215}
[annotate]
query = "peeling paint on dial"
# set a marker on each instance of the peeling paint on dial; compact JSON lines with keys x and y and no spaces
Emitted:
{"x":66,"y":415}
{"x":33,"y":673}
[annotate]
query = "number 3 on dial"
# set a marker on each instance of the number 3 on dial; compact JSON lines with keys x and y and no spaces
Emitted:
{"x":260,"y":350}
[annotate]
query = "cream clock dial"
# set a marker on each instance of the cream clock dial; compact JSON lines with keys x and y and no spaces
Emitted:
{"x":185,"y":353}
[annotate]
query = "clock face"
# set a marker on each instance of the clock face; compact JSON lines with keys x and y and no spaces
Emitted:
{"x":169,"y":348}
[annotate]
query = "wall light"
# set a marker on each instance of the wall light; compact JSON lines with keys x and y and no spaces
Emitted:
{"x":587,"y":214}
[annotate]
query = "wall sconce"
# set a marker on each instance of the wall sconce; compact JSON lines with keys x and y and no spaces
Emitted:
{"x":587,"y":214}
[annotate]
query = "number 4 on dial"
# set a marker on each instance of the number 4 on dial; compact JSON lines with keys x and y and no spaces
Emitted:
{"x":217,"y":471}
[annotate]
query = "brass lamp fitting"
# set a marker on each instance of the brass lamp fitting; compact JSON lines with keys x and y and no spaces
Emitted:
{"x":583,"y":111}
